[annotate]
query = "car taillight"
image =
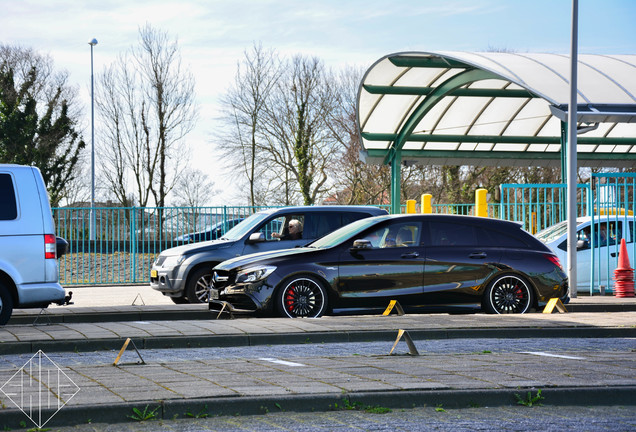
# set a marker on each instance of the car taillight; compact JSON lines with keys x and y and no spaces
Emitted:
{"x":49,"y":246}
{"x":554,"y":260}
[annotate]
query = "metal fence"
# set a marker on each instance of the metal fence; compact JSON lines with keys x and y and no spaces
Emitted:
{"x":128,"y":239}
{"x":539,"y":206}
{"x":614,"y":207}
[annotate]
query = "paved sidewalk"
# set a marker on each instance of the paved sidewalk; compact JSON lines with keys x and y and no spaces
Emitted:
{"x":109,"y":393}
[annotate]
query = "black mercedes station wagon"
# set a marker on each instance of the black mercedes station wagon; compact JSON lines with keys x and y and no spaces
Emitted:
{"x":434,"y":262}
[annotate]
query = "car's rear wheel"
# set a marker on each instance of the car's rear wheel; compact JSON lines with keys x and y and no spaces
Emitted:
{"x":302,"y":297}
{"x":199,"y":284}
{"x":508,"y":294}
{"x":6,"y":305}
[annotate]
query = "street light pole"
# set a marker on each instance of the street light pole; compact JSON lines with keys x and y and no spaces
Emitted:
{"x":92,"y":43}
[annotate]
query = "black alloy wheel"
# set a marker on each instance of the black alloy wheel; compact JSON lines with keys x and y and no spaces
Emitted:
{"x":199,"y":284}
{"x":302,"y":297}
{"x":508,"y":294}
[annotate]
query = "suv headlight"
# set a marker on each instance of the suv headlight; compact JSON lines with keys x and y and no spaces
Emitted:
{"x":254,"y":274}
{"x":173,"y":261}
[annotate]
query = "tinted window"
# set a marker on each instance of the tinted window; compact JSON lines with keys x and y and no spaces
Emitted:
{"x":452,"y":234}
{"x":488,"y":237}
{"x":318,"y":224}
{"x":403,"y":234}
{"x":8,"y":209}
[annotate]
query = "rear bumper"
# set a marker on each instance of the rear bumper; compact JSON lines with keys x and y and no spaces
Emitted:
{"x":39,"y":294}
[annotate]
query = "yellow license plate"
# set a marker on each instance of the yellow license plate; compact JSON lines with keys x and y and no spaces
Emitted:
{"x":153,"y":273}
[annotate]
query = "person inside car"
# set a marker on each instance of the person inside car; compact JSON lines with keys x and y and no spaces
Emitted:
{"x":294,"y":231}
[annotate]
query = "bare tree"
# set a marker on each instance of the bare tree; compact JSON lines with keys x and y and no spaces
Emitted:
{"x":244,"y":104}
{"x":194,"y":189}
{"x":299,"y":141}
{"x":146,"y":104}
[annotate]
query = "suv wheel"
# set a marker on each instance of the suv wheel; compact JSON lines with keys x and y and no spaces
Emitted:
{"x":198,"y":285}
{"x":6,"y":305}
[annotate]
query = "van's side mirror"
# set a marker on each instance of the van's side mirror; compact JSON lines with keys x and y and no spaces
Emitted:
{"x":257,"y":237}
{"x":361,"y":244}
{"x":582,"y":244}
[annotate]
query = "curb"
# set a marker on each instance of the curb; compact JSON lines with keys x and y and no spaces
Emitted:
{"x":187,"y":314}
{"x":243,"y":340}
{"x":238,"y":405}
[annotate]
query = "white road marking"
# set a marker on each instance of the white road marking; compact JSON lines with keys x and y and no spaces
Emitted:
{"x":283,"y":362}
{"x":544,"y":354}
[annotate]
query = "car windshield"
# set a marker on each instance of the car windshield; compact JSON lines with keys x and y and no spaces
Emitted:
{"x":345,"y":233}
{"x":245,"y":227}
{"x":553,"y":232}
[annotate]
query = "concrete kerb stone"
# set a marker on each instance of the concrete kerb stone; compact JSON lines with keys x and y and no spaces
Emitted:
{"x":245,"y":339}
{"x":243,"y":405}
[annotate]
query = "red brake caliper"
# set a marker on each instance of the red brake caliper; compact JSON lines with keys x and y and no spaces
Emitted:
{"x":289,"y":299}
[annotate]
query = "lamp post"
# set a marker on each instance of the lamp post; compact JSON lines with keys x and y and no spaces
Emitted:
{"x":92,"y":43}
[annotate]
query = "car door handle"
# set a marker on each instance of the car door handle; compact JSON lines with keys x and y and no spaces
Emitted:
{"x":613,"y":254}
{"x":410,"y":255}
{"x":478,"y":255}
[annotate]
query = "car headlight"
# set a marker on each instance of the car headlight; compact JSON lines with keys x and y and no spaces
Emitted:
{"x":254,"y":274}
{"x":173,"y":261}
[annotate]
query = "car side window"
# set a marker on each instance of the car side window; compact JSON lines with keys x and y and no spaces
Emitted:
{"x":283,"y":228}
{"x":318,"y":224}
{"x":8,"y":209}
{"x":397,"y":235}
{"x":494,"y":238}
{"x":608,"y":233}
{"x":452,"y":234}
{"x":272,"y":226}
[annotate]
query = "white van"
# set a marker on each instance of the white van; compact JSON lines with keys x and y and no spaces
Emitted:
{"x":601,"y":249}
{"x":28,"y":255}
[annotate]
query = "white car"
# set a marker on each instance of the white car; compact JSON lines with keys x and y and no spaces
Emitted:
{"x":597,"y":254}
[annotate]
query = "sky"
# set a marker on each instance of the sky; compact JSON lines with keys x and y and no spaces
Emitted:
{"x":214,"y":34}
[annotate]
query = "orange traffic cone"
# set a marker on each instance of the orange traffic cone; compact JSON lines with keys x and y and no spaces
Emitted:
{"x":624,"y":274}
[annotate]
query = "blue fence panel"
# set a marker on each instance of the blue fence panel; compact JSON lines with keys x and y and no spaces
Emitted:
{"x":614,"y":209}
{"x":539,"y":206}
{"x":128,"y":239}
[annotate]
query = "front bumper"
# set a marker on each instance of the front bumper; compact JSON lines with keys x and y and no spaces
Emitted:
{"x":163,"y":281}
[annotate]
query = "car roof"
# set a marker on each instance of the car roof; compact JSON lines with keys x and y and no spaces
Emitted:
{"x":326,"y":208}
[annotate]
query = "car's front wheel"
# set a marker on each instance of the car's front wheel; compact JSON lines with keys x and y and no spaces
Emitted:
{"x":508,"y":294}
{"x":199,"y":284}
{"x":302,"y":297}
{"x":6,"y":305}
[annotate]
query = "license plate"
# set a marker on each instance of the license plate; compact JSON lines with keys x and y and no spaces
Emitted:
{"x":214,"y":294}
{"x":153,"y":273}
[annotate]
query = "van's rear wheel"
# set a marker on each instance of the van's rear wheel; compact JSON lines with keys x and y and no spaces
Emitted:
{"x":6,"y":305}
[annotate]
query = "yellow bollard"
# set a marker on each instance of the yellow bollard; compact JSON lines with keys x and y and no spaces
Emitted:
{"x":410,"y":206}
{"x":481,"y":202}
{"x":427,"y":207}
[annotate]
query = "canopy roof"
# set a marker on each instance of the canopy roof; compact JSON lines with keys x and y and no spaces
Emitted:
{"x":457,"y":108}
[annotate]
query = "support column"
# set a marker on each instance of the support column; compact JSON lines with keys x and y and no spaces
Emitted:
{"x":396,"y":176}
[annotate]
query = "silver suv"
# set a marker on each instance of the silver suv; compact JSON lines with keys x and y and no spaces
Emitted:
{"x":28,"y":251}
{"x":185,"y":272}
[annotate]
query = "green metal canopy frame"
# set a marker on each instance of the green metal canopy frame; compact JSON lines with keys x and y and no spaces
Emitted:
{"x":433,"y":108}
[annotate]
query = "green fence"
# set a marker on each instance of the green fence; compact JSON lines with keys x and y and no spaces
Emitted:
{"x":127,"y":240}
{"x":539,"y":206}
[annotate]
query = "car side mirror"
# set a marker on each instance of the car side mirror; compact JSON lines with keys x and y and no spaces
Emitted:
{"x":61,"y":246}
{"x":257,"y":237}
{"x":582,"y":244}
{"x":361,"y":244}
